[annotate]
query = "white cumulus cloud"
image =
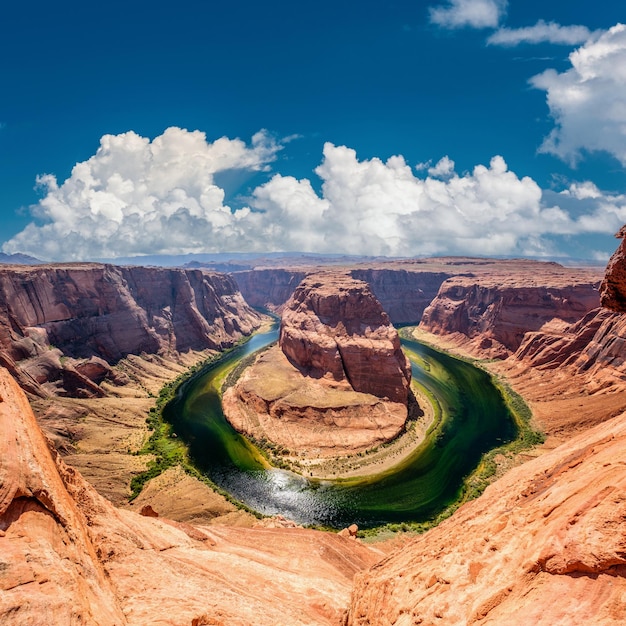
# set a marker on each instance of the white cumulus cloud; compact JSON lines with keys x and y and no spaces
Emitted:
{"x":137,"y":196}
{"x":470,"y":13}
{"x":541,"y":32}
{"x":588,"y":101}
{"x":380,"y":207}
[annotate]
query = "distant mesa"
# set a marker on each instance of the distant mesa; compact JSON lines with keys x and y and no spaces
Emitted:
{"x":337,"y":383}
{"x":18,"y":259}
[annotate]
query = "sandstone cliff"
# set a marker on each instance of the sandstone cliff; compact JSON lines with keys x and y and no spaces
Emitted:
{"x":61,"y":327}
{"x":544,"y":545}
{"x":49,"y":569}
{"x":492,"y":312}
{"x":268,"y":288}
{"x":67,"y":556}
{"x":404,"y":293}
{"x":338,"y":383}
{"x":613,"y":287}
{"x":334,"y":327}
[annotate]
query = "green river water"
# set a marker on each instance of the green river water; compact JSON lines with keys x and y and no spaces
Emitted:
{"x":473,"y":418}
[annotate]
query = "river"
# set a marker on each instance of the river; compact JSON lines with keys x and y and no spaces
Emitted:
{"x":474,"y":419}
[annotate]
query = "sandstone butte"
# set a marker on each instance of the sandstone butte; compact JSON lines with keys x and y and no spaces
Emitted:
{"x":544,"y":544}
{"x":338,"y":381}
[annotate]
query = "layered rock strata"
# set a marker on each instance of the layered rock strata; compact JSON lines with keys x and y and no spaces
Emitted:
{"x":337,"y":383}
{"x":544,"y":545}
{"x":492,"y":313}
{"x":334,"y":327}
{"x":61,"y":327}
{"x":613,"y":288}
{"x":67,"y":556}
{"x":268,"y":288}
{"x":404,"y":293}
{"x":313,"y":417}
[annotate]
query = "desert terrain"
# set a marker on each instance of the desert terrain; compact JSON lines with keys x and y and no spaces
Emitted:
{"x":89,"y":348}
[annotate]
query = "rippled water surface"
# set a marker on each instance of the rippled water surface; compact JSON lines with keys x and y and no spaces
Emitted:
{"x":475,"y":419}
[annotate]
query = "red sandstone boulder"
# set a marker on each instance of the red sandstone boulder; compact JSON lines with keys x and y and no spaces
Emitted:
{"x":333,"y":326}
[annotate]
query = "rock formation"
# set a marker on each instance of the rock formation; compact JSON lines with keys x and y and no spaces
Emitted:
{"x":61,"y":327}
{"x":613,"y":288}
{"x":338,"y":383}
{"x":492,"y":312}
{"x":268,"y":288}
{"x":49,"y":568}
{"x":404,"y":292}
{"x":334,"y":327}
{"x":546,"y":543}
{"x":543,"y":545}
{"x":67,"y":556}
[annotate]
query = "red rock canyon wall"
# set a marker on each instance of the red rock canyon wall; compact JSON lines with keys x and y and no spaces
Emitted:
{"x":62,"y":326}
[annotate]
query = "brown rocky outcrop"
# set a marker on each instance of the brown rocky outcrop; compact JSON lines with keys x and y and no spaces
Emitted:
{"x":334,"y":327}
{"x":67,"y":556}
{"x":338,"y":383}
{"x":546,"y":544}
{"x":49,"y":569}
{"x":315,"y":418}
{"x":62,"y":326}
{"x":492,"y":312}
{"x":613,"y":288}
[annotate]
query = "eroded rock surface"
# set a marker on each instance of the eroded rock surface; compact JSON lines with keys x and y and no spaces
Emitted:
{"x":334,"y":327}
{"x":315,"y":417}
{"x":49,"y":569}
{"x":492,"y":312}
{"x":67,"y":556}
{"x":337,"y":383}
{"x":63,"y":326}
{"x":546,"y":544}
{"x":613,"y":288}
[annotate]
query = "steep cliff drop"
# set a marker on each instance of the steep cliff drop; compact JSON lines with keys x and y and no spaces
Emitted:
{"x":67,"y":556}
{"x":337,"y":383}
{"x":489,"y":314}
{"x":93,"y":344}
{"x":543,"y":545}
{"x":62,"y":327}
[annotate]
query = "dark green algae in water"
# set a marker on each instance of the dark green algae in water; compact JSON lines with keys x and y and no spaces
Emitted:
{"x":472,"y":419}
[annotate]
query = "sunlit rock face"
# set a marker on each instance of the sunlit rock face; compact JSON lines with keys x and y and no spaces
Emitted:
{"x":613,"y":288}
{"x":545,"y":544}
{"x":491,"y":313}
{"x":62,"y":326}
{"x":334,"y":327}
{"x":67,"y":556}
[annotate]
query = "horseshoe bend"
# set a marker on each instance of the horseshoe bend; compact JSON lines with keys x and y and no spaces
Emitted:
{"x":336,"y":383}
{"x":86,"y":348}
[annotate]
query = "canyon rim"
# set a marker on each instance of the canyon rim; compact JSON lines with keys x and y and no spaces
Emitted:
{"x":544,"y":544}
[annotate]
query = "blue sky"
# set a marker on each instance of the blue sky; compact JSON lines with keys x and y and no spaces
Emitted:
{"x":480,"y":127}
